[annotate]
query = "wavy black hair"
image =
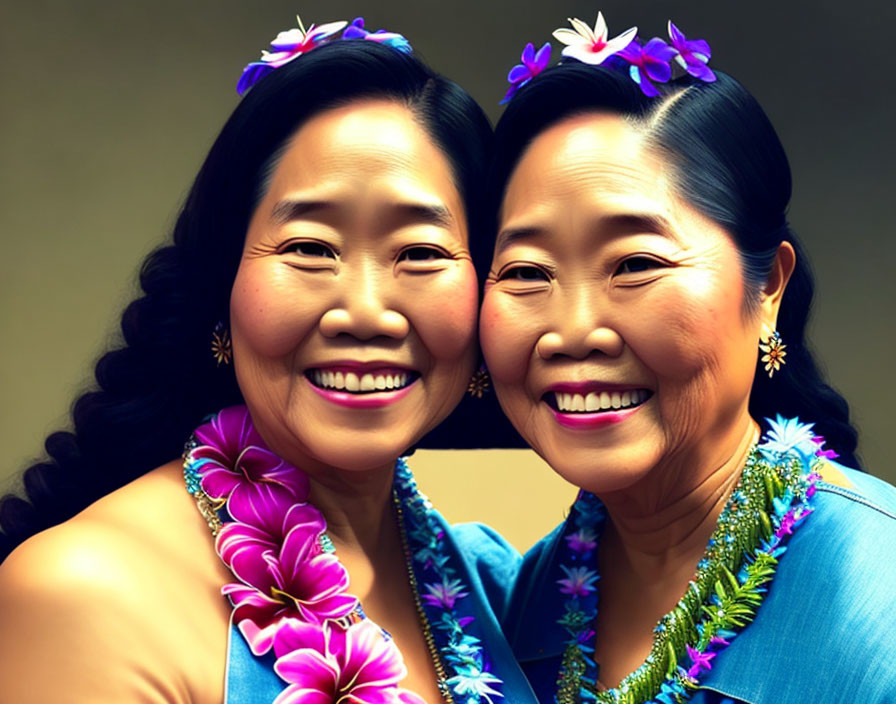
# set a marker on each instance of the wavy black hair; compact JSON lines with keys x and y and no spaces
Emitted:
{"x":730,"y":166}
{"x":162,"y":381}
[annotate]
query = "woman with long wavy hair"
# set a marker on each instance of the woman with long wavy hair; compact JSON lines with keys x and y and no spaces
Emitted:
{"x":313,"y":318}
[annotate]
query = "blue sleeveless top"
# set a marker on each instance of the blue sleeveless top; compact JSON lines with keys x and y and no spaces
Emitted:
{"x":489,"y":566}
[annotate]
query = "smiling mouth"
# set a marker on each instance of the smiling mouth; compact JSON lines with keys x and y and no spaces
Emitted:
{"x":360,"y":383}
{"x":596,"y":401}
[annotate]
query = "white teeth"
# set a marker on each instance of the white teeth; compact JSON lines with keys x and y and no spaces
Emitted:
{"x":602,"y":401}
{"x":350,"y":381}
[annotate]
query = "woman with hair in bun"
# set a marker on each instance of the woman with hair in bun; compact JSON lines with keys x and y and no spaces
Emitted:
{"x":313,"y":318}
{"x":644,"y":316}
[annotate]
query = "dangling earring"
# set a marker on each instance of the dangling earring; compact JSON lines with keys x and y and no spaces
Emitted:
{"x":479,"y":382}
{"x":774,"y":355}
{"x":222,"y":349}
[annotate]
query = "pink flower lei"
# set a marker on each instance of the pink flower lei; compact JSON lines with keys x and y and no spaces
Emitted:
{"x":292,"y":595}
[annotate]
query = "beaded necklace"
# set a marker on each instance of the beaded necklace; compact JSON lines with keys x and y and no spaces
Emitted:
{"x":292,"y":597}
{"x":771,"y":499}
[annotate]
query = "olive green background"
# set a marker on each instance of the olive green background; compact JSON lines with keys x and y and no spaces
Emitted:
{"x":108,"y":108}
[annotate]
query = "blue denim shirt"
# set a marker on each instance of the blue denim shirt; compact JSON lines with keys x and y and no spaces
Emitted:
{"x":824,"y":633}
{"x":490,"y":565}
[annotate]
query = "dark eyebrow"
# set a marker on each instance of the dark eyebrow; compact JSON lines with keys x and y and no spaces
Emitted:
{"x":429,"y":213}
{"x":615,"y":225}
{"x":287,"y":210}
{"x":514,"y":234}
{"x":629,"y":224}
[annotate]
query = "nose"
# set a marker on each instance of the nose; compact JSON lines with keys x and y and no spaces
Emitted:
{"x":365,"y":309}
{"x":578,"y":331}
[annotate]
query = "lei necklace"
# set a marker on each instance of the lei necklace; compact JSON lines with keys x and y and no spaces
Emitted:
{"x":292,"y":596}
{"x":770,"y":500}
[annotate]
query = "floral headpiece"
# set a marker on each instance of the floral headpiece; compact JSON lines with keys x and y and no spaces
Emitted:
{"x":292,"y":43}
{"x":647,"y":63}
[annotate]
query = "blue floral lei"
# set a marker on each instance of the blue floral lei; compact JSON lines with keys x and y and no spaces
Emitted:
{"x":770,"y":501}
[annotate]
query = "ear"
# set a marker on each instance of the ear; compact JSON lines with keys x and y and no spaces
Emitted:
{"x":773,"y":291}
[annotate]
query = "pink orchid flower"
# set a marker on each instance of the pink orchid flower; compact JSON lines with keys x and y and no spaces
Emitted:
{"x":235,"y":464}
{"x":591,"y":46}
{"x":300,"y":581}
{"x":329,"y":665}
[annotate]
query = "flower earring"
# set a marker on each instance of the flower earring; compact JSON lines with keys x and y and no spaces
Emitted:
{"x":222,"y":349}
{"x":773,"y":347}
{"x":479,"y":382}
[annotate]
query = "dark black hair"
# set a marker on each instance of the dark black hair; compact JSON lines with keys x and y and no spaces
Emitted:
{"x":730,"y":166}
{"x":158,"y":386}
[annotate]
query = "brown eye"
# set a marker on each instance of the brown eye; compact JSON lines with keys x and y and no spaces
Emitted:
{"x":523,"y":273}
{"x":635,"y":265}
{"x":421,"y":254}
{"x":311,"y":249}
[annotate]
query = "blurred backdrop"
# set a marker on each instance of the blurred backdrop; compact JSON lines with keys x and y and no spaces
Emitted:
{"x":108,"y":108}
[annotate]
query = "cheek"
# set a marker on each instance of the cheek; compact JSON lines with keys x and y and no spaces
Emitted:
{"x":267,"y":314}
{"x":443,"y":311}
{"x":507,"y":341}
{"x":688,"y":331}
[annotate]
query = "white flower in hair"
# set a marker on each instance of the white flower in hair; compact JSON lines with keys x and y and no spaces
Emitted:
{"x":591,"y":46}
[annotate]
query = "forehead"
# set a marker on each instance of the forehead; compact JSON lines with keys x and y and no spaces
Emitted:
{"x":595,"y":158}
{"x":364,"y":141}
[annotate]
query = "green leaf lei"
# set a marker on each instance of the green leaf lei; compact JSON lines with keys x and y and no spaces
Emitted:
{"x":770,"y":500}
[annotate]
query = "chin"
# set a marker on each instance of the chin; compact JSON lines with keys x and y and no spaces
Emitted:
{"x":599,"y":470}
{"x":362,"y":451}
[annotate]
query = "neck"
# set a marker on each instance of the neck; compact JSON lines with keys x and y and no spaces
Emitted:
{"x":664,"y":521}
{"x":357,"y":506}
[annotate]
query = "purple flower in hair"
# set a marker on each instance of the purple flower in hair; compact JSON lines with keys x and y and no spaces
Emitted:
{"x":532,"y":64}
{"x":693,"y":54}
{"x":286,"y":47}
{"x":649,"y":64}
{"x":356,"y":31}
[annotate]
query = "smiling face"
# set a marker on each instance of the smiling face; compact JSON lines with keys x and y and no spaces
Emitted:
{"x":614,"y":323}
{"x":353,"y":312}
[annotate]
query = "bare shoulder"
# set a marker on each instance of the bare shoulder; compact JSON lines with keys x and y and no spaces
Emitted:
{"x":120,"y":603}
